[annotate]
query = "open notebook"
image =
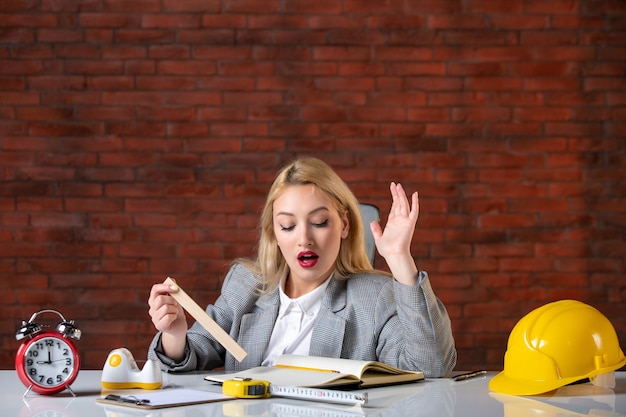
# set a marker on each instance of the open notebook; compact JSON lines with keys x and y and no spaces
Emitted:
{"x":314,"y":371}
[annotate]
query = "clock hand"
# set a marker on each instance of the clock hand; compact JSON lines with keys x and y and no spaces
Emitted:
{"x":49,"y":361}
{"x":58,"y":360}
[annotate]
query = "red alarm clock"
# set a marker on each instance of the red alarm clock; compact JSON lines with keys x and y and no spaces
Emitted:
{"x":47,"y":362}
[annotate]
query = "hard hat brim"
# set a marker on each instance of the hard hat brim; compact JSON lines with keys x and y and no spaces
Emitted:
{"x":505,"y":385}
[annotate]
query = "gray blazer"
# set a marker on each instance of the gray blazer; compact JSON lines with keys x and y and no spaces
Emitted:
{"x":365,"y":317}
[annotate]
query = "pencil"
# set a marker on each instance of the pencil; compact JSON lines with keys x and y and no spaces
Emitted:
{"x":304,"y":368}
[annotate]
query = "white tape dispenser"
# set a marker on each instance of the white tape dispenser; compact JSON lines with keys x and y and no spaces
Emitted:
{"x":121,"y":372}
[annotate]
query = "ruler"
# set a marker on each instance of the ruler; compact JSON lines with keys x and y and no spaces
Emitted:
{"x":318,"y":394}
{"x":207,"y":322}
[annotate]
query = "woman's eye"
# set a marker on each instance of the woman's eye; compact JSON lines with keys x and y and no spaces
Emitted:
{"x":321,"y":224}
{"x":286,"y":228}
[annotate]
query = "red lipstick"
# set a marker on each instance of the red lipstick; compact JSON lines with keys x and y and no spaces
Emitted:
{"x":307,"y":259}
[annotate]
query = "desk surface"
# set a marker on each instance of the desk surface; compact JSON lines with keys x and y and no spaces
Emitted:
{"x":432,"y":398}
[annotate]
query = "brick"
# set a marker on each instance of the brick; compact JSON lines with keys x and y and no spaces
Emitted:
{"x":17,"y":35}
{"x":33,"y":52}
{"x":575,"y":22}
{"x":18,"y":98}
{"x":99,"y":35}
{"x":272,"y":113}
{"x":187,"y":130}
{"x":204,"y":36}
{"x":109,"y":20}
{"x":432,"y":6}
{"x":285,"y":22}
{"x":455,"y":22}
{"x":491,"y":6}
{"x":147,"y":36}
{"x":338,"y":83}
{"x":28,"y":20}
{"x":137,"y":6}
{"x":576,"y":53}
{"x":123,"y":52}
{"x":416,"y":69}
{"x":379,"y":114}
{"x":214,"y":145}
{"x":518,"y":22}
{"x":19,"y":5}
{"x":542,"y":114}
{"x":252,"y":6}
{"x":185,"y":68}
{"x":544,"y":69}
{"x":14,"y":160}
{"x":480,"y":38}
{"x":481,"y":114}
{"x":159,"y":174}
{"x":205,"y":6}
{"x":303,"y":130}
{"x":169,"y":51}
{"x":453,"y":130}
{"x":505,"y":54}
{"x":518,"y":190}
{"x":171,"y":21}
{"x":393,"y":22}
{"x":344,"y":52}
{"x":434,"y":83}
{"x":516,"y":129}
{"x":573,"y":129}
{"x":552,"y":83}
{"x":230,"y":21}
{"x":95,"y":67}
{"x":104,"y":113}
{"x":428,"y":114}
{"x":548,"y":38}
{"x":59,"y":35}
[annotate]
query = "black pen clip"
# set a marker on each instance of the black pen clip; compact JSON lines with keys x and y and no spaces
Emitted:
{"x":468,"y":375}
{"x":131,"y":399}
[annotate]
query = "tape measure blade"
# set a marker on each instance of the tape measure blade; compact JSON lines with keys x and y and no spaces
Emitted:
{"x":318,"y":394}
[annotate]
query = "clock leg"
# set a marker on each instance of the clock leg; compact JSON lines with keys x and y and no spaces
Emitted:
{"x":27,"y":391}
{"x":70,"y":390}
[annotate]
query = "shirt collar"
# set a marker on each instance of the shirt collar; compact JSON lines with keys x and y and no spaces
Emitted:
{"x":309,"y":302}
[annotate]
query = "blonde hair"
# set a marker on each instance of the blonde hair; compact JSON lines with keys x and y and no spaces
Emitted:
{"x":270,"y":265}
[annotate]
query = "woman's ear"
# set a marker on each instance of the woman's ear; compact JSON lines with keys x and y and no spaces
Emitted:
{"x":345,"y":225}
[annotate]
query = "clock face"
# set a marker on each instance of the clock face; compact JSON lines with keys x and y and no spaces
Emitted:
{"x":48,"y":362}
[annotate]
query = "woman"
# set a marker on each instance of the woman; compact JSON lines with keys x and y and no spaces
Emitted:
{"x":311,"y":289}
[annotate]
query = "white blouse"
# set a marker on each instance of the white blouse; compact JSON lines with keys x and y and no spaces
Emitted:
{"x":294,"y":324}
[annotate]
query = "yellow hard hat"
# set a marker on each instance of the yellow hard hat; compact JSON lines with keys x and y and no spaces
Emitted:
{"x":557,"y":344}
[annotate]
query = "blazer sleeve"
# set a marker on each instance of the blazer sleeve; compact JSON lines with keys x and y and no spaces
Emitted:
{"x":419,"y":337}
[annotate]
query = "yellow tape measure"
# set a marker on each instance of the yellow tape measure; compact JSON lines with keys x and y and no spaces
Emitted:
{"x":256,"y":388}
{"x":246,"y":388}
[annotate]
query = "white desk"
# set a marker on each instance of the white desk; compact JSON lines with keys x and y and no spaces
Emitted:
{"x":432,"y":398}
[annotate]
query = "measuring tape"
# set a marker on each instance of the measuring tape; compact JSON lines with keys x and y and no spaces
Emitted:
{"x":256,"y":388}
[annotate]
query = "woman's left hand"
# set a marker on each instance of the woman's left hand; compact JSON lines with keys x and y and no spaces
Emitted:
{"x":394,"y":242}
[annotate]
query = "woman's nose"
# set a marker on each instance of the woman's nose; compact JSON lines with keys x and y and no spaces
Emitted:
{"x":305,"y":237}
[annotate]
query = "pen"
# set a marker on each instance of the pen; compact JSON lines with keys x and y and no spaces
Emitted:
{"x":130,"y":400}
{"x":468,"y":375}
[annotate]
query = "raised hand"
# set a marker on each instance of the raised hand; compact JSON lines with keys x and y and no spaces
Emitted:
{"x":394,"y":242}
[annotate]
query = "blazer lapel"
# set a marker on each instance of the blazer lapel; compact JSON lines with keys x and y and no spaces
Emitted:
{"x":329,"y":329}
{"x":256,"y":330}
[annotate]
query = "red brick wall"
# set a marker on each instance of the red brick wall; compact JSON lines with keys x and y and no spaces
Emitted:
{"x":138,"y":139}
